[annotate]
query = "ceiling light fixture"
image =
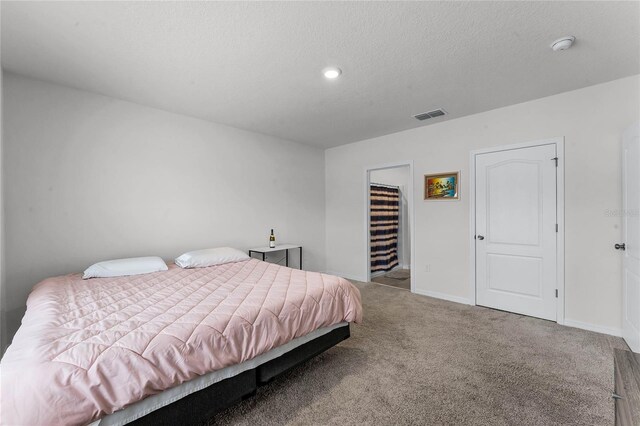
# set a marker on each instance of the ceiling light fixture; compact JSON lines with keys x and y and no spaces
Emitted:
{"x":563,"y":43}
{"x":332,"y":72}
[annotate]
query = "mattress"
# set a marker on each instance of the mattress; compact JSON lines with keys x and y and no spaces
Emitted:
{"x":89,"y":348}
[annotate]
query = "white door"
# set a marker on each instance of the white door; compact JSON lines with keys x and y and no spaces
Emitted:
{"x":631,"y":238}
{"x":516,"y":230}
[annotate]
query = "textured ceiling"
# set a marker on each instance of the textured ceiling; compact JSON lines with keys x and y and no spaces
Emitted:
{"x":258,"y":66}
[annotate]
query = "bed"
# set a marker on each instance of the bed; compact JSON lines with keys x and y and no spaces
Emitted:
{"x":116,"y":350}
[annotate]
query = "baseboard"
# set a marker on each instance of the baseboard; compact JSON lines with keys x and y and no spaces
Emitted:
{"x":613,"y":331}
{"x":443,"y":296}
{"x":347,"y":276}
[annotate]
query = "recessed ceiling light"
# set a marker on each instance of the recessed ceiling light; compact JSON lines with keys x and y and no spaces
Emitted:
{"x":563,"y":43}
{"x":332,"y":72}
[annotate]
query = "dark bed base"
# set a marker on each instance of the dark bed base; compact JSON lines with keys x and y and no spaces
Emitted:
{"x":200,"y":406}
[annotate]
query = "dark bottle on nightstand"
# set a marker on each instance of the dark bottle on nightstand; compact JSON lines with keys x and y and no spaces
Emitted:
{"x":272,"y":240}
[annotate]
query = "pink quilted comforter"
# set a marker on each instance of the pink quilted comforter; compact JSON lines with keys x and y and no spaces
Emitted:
{"x":87,"y":348}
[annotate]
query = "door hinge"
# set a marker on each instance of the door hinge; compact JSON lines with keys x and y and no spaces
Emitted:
{"x":556,"y":160}
{"x":556,"y":227}
{"x":556,"y":292}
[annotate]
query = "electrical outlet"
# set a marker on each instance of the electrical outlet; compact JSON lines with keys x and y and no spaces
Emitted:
{"x":427,"y":268}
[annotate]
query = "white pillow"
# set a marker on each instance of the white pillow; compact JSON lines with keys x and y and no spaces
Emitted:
{"x":122,"y":267}
{"x":211,"y":257}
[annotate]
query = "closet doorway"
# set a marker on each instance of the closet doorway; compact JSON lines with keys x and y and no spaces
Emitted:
{"x":389,"y":224}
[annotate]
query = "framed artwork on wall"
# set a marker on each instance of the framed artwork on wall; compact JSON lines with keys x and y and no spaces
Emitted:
{"x":442,"y":186}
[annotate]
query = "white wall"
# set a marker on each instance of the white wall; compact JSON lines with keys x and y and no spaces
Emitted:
{"x":3,"y":322}
{"x":591,"y":120}
{"x":90,"y":178}
{"x":398,"y":176}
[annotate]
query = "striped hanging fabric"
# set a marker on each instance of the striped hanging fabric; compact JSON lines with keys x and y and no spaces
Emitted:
{"x":385,"y":203}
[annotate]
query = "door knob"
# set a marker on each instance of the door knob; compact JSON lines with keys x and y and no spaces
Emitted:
{"x":620,"y":246}
{"x":480,"y":237}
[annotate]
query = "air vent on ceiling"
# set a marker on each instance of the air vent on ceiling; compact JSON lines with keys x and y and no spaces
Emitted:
{"x":431,"y":114}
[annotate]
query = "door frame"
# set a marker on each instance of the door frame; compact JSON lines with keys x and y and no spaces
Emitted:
{"x":367,"y":212}
{"x":629,"y":134}
{"x":559,"y":143}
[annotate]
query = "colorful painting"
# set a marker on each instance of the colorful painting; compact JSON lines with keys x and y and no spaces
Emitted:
{"x":441,"y":186}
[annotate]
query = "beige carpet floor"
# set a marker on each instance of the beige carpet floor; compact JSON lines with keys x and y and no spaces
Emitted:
{"x":422,"y":361}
